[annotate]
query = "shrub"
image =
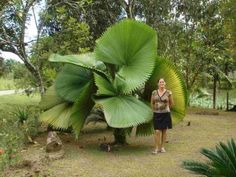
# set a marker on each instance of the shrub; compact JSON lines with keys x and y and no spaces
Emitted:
{"x":222,"y":161}
{"x":15,"y":129}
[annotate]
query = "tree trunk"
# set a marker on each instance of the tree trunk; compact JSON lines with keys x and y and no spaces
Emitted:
{"x":214,"y":92}
{"x":227,"y":100}
{"x":128,"y":6}
{"x":1,"y":66}
{"x":36,"y":73}
{"x":120,"y":137}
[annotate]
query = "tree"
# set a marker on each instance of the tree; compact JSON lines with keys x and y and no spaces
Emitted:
{"x":73,"y":37}
{"x":14,"y":17}
{"x":97,"y":14}
{"x":115,"y":65}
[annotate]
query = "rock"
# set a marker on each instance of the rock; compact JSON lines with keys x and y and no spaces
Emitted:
{"x":189,"y":123}
{"x":55,"y":155}
{"x":54,"y":143}
{"x":24,"y":164}
{"x":105,"y":147}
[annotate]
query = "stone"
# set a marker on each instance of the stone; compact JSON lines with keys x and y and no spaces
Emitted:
{"x":54,"y":143}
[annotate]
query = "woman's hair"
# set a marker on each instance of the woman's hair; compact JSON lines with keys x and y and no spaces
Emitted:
{"x":162,"y":79}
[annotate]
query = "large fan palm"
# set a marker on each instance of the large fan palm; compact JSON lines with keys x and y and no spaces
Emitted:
{"x":123,"y":62}
{"x":222,"y":161}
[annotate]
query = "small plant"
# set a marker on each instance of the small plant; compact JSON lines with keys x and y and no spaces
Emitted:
{"x":21,"y":114}
{"x":222,"y":161}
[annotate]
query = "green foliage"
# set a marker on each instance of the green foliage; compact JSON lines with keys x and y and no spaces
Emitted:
{"x":71,"y":81}
{"x":21,"y":114}
{"x":58,"y":116}
{"x":222,"y":161}
{"x":73,"y":37}
{"x":7,"y":83}
{"x":13,"y":134}
{"x":204,"y":99}
{"x":120,"y":46}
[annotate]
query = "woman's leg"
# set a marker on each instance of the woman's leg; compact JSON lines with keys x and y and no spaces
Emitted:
{"x":157,"y":138}
{"x":163,"y":138}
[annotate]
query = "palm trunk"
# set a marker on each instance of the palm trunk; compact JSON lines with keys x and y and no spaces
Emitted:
{"x":227,"y":101}
{"x":120,"y":136}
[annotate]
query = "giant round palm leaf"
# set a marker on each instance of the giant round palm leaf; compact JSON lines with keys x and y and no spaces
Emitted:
{"x":105,"y":87}
{"x":50,"y":99}
{"x":58,"y":116}
{"x":165,"y":69}
{"x":131,"y":47}
{"x":72,"y":81}
{"x":85,"y":60}
{"x":124,"y":111}
{"x":174,"y":82}
{"x":81,"y":109}
{"x":120,"y":111}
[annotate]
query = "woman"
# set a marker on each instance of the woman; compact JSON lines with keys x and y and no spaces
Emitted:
{"x":161,"y":102}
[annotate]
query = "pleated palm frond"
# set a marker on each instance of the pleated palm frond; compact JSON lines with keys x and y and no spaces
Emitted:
{"x":222,"y":161}
{"x":130,"y":47}
{"x":81,"y":109}
{"x":174,"y":82}
{"x":71,"y":81}
{"x":75,"y":85}
{"x":120,"y":111}
{"x":124,"y":111}
{"x":58,"y":116}
{"x":85,"y":60}
{"x":50,"y":99}
{"x":105,"y":87}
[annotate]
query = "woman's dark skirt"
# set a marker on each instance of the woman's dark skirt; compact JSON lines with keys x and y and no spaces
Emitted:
{"x":162,"y":121}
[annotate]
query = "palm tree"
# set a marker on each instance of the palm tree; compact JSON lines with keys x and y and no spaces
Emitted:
{"x":119,"y":76}
{"x":222,"y":161}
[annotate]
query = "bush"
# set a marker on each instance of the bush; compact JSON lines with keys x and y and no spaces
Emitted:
{"x":16,"y":127}
{"x":222,"y":161}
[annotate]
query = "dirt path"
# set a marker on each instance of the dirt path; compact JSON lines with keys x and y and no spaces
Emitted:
{"x":10,"y":92}
{"x":84,"y":159}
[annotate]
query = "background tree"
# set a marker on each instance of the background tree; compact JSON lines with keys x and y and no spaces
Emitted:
{"x":14,"y":18}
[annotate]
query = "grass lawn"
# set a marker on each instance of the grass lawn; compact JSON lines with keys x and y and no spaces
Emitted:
{"x":19,"y":99}
{"x":84,"y":159}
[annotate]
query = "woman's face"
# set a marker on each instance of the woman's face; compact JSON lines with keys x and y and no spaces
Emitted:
{"x":161,"y":83}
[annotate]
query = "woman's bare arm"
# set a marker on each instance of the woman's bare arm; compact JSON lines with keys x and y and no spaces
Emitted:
{"x":152,"y":102}
{"x":171,"y":101}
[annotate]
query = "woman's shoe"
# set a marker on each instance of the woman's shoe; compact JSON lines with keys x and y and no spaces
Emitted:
{"x":156,"y":151}
{"x":163,"y":150}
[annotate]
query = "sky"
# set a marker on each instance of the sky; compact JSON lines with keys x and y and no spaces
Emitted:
{"x":30,"y":34}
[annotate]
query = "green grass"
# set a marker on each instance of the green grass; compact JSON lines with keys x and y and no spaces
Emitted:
{"x":19,"y":99}
{"x":13,"y":133}
{"x":7,"y":84}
